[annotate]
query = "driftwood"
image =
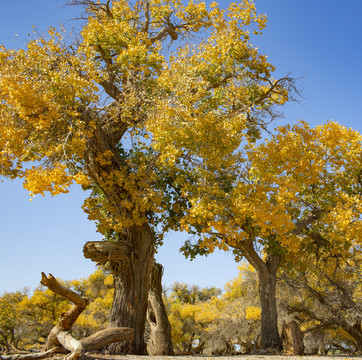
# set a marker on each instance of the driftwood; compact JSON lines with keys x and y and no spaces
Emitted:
{"x":60,"y":339}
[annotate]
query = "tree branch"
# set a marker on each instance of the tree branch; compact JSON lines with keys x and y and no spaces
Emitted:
{"x":103,"y":251}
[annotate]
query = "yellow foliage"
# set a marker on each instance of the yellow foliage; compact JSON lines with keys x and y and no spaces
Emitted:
{"x":68,"y":107}
{"x":267,"y":189}
{"x":253,"y":312}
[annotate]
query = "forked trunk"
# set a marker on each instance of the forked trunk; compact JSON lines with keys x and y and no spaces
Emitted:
{"x":160,"y":342}
{"x":131,"y":285}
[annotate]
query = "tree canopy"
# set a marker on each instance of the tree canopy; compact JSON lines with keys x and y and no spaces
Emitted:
{"x":85,"y":107}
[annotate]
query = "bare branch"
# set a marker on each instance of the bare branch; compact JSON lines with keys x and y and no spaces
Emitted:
{"x":52,"y":284}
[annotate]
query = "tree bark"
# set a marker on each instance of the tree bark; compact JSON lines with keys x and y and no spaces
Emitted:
{"x":292,"y":339}
{"x":269,"y":317}
{"x":131,"y":270}
{"x":270,"y":338}
{"x":267,"y":274}
{"x":60,"y":336}
{"x":57,"y":334}
{"x":160,"y":342}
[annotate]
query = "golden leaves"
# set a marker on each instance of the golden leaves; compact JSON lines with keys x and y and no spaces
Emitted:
{"x":56,"y":180}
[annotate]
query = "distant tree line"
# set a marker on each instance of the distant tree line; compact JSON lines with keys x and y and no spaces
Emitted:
{"x":204,"y":320}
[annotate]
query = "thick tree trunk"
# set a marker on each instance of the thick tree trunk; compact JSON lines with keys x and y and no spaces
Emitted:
{"x":131,"y":261}
{"x":160,"y":342}
{"x":131,"y":285}
{"x":267,"y":274}
{"x":270,"y":338}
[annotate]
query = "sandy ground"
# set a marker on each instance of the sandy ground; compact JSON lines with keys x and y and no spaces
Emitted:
{"x":236,"y":357}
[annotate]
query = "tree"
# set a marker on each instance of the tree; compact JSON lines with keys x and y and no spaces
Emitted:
{"x":270,"y":202}
{"x":325,"y":295}
{"x":69,"y":105}
{"x":10,"y":329}
{"x":240,"y":321}
{"x":209,"y":322}
{"x":185,"y":305}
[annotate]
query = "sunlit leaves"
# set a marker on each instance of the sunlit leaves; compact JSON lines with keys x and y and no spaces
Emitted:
{"x":69,"y":102}
{"x":273,"y":187}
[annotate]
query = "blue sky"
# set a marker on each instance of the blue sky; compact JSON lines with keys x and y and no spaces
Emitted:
{"x":319,"y":42}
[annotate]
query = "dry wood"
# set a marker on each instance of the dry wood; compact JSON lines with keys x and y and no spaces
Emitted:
{"x":52,"y":284}
{"x":60,"y":335}
{"x":292,"y":339}
{"x":34,"y":356}
{"x":71,"y":344}
{"x":107,"y":336}
{"x":66,"y":319}
{"x":60,"y":340}
{"x":103,"y":251}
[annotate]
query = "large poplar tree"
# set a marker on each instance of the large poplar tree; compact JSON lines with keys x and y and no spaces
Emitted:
{"x":298,"y":192}
{"x":77,"y":108}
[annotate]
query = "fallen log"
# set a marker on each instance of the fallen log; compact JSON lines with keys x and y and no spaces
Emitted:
{"x":105,"y":337}
{"x":34,"y":356}
{"x":60,"y":339}
{"x":58,"y":335}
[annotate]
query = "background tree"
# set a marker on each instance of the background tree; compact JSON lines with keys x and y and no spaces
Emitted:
{"x":11,"y":327}
{"x":272,"y":201}
{"x":184,"y":304}
{"x":99,"y":290}
{"x":208,"y":322}
{"x":69,"y":103}
{"x":325,"y":296}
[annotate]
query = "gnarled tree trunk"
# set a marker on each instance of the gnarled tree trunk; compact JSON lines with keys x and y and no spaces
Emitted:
{"x":131,"y":262}
{"x":160,"y":342}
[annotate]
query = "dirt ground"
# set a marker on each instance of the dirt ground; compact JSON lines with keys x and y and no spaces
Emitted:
{"x":205,"y":357}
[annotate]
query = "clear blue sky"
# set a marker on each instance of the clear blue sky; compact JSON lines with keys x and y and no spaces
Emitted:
{"x":319,"y":41}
